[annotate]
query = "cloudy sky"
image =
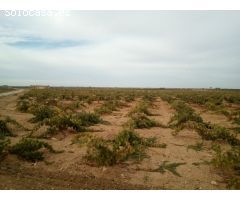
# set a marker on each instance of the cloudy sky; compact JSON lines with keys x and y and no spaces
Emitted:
{"x":122,"y":48}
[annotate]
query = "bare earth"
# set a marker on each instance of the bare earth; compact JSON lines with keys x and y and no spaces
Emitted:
{"x":68,"y":170}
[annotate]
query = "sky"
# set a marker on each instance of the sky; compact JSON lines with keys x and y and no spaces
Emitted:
{"x":174,"y":49}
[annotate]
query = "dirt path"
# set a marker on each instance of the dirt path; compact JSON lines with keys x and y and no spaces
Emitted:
{"x":8,"y":106}
{"x":11,"y":93}
{"x":17,"y":177}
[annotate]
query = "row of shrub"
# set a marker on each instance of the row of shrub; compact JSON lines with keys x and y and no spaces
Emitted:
{"x":185,"y":117}
{"x":228,"y":162}
{"x":4,"y":130}
{"x":26,"y":149}
{"x":127,"y":145}
{"x":78,"y":122}
{"x":109,"y":106}
{"x":141,"y":107}
{"x":183,"y":114}
{"x":51,"y":96}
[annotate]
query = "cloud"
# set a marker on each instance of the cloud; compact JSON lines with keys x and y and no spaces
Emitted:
{"x":33,"y":43}
{"x":122,"y":48}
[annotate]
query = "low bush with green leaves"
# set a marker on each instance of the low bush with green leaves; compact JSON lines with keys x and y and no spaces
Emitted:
{"x":23,"y":105}
{"x":215,"y":132}
{"x":78,"y":122}
{"x":15,"y":123}
{"x":139,"y":120}
{"x":171,"y":167}
{"x":88,"y":119}
{"x":196,"y":147}
{"x":42,"y":112}
{"x":129,"y":98}
{"x":183,"y":114}
{"x":142,"y":107}
{"x":4,"y":130}
{"x":185,"y":117}
{"x":4,"y":145}
{"x":101,"y":152}
{"x":236,"y":117}
{"x":109,"y":106}
{"x":127,"y":145}
{"x":62,"y":122}
{"x":229,"y":163}
{"x":30,"y":149}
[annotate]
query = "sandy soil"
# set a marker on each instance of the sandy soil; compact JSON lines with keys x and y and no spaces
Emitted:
{"x":69,"y":170}
{"x":213,"y":117}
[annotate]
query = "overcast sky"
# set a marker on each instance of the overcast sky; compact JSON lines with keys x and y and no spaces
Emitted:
{"x":125,"y":49}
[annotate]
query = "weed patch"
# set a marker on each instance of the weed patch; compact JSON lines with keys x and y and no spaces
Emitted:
{"x":171,"y":167}
{"x":139,"y":120}
{"x":229,"y":163}
{"x":183,"y":114}
{"x":4,"y":144}
{"x":42,"y":112}
{"x":4,"y":131}
{"x":197,"y":147}
{"x":127,"y":145}
{"x":142,"y":107}
{"x":29,"y":149}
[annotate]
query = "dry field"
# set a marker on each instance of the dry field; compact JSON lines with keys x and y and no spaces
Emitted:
{"x":95,"y":138}
{"x":4,"y":90}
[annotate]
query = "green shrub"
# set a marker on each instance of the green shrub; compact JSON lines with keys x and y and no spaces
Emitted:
{"x":29,"y":149}
{"x":15,"y":123}
{"x":109,"y":106}
{"x":148,"y":97}
{"x":63,"y":122}
{"x":237,"y":120}
{"x":229,"y":163}
{"x":215,"y":132}
{"x":152,"y":142}
{"x":142,"y":107}
{"x":129,"y":98}
{"x":126,"y":145}
{"x":127,"y":137}
{"x":103,"y":110}
{"x":101,"y":153}
{"x":4,"y":131}
{"x":139,"y":120}
{"x":88,"y":119}
{"x":183,"y":114}
{"x":236,"y":129}
{"x":23,"y":105}
{"x":42,"y":112}
{"x":166,"y":97}
{"x":171,"y":167}
{"x":78,"y":121}
{"x":197,"y":147}
{"x":4,"y":144}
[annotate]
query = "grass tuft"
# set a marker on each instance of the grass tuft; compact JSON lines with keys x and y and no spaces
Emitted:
{"x":172,"y":167}
{"x":4,"y":130}
{"x":127,"y":145}
{"x":197,"y":147}
{"x":140,"y":120}
{"x":29,"y":149}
